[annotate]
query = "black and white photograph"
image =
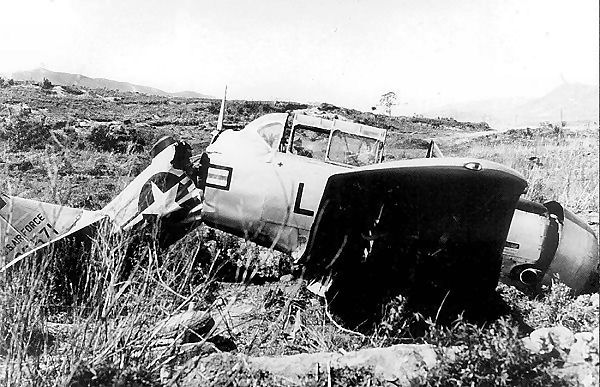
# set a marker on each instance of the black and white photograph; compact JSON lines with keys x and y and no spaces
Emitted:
{"x":299,"y":193}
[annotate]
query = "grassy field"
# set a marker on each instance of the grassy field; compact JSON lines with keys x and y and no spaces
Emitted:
{"x":92,"y":316}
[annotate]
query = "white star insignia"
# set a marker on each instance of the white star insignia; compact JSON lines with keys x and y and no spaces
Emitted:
{"x":164,"y":202}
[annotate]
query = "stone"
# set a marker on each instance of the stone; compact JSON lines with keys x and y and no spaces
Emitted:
{"x":185,"y":327}
{"x":581,"y":351}
{"x":545,"y":340}
{"x":401,"y":365}
{"x":286,"y":278}
{"x":595,"y":300}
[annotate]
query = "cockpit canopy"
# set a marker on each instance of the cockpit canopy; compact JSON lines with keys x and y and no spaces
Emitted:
{"x":336,"y":141}
{"x":332,"y":141}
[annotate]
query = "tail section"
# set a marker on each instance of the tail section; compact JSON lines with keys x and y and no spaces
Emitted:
{"x":167,"y":189}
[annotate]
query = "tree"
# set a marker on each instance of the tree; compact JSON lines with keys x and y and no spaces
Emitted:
{"x":388,"y":100}
{"x":46,"y":84}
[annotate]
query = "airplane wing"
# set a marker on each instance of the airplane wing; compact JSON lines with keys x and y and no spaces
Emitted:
{"x":436,"y":221}
{"x":26,"y":225}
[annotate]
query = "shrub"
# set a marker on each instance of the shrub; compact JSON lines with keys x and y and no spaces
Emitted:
{"x":556,"y":307}
{"x":117,"y":138}
{"x":487,"y":356}
{"x":46,"y":84}
{"x":108,"y":374}
{"x":23,"y":135}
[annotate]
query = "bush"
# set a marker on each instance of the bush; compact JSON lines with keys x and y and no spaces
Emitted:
{"x":23,"y":135}
{"x":117,"y":139}
{"x":556,"y":307}
{"x":46,"y":84}
{"x":107,"y":374}
{"x":488,"y":356}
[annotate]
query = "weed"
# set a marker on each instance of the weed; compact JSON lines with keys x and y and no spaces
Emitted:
{"x":487,"y":356}
{"x":556,"y":307}
{"x":346,"y":376}
{"x":26,"y":134}
{"x":557,"y":167}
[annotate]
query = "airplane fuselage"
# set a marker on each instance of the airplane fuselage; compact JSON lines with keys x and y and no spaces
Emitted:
{"x":271,"y":194}
{"x":271,"y":202}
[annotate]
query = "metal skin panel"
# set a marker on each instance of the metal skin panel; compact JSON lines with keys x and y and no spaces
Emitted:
{"x":238,"y":209}
{"x":270,"y":200}
{"x":576,"y":259}
{"x":524,"y":242}
{"x":26,"y":224}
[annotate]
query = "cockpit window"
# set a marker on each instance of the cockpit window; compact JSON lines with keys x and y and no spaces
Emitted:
{"x":351,"y":149}
{"x":271,"y":133}
{"x":310,"y":142}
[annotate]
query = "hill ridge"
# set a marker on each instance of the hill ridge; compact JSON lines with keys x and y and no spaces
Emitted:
{"x":67,"y":79}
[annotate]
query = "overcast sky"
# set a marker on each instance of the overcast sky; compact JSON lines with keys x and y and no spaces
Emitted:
{"x":343,"y":52}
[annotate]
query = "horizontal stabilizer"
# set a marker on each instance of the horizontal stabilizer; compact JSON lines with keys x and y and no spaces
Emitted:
{"x":27,"y":225}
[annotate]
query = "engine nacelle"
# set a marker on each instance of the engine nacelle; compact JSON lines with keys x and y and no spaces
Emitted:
{"x":548,"y":240}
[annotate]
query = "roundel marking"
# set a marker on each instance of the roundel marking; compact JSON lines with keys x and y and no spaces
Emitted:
{"x":163,"y":180}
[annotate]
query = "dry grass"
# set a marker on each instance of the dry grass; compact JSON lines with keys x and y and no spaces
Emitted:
{"x":58,"y":329}
{"x":558,"y":167}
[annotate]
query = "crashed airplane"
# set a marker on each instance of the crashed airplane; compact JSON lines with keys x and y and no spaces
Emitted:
{"x":320,"y":190}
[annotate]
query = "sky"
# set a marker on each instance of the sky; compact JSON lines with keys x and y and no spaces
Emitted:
{"x":350,"y":52}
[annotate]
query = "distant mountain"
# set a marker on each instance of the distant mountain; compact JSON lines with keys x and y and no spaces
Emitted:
{"x":59,"y":78}
{"x":578,"y":102}
{"x":572,"y":101}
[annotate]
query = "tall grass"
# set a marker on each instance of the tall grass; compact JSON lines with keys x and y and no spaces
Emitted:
{"x":101,"y":324}
{"x":557,"y":167}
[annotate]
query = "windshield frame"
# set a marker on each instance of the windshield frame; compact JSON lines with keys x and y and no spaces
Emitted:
{"x":320,"y":125}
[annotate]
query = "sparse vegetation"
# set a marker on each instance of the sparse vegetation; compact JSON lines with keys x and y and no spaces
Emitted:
{"x":561,"y":167}
{"x":493,"y":355}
